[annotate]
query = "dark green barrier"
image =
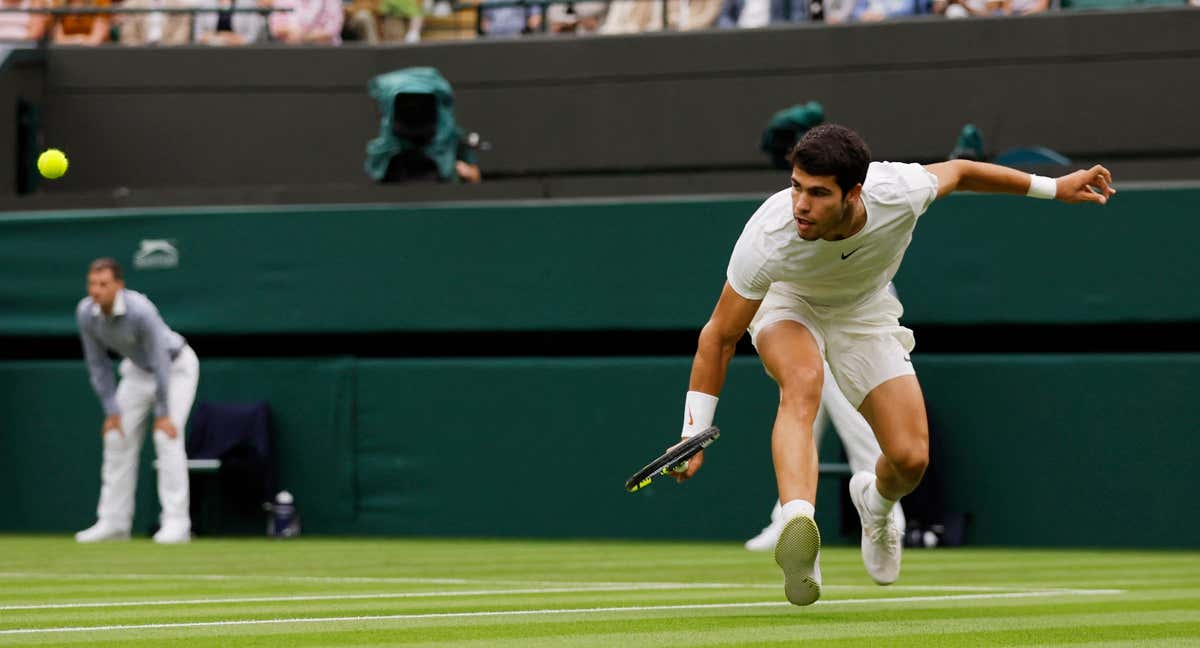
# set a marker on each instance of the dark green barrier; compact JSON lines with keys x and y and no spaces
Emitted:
{"x":1069,"y":449}
{"x":1040,"y":450}
{"x":50,"y":440}
{"x":543,"y":447}
{"x":584,"y":266}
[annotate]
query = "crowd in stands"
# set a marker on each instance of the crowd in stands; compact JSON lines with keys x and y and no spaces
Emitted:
{"x":211,"y":22}
{"x":330,"y":22}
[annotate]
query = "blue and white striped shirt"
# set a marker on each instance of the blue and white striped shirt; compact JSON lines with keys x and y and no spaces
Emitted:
{"x":136,"y":331}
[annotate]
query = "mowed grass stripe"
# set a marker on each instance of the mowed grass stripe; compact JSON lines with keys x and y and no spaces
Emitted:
{"x":913,"y":607}
{"x":513,"y":609}
{"x":375,"y":595}
{"x":712,"y":626}
{"x":385,"y":602}
{"x":102,"y":595}
{"x":1160,"y":605}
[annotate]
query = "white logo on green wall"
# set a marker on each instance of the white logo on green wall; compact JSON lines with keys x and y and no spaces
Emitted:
{"x":156,"y":254}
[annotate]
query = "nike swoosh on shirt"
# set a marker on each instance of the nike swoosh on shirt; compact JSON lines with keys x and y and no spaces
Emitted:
{"x":846,"y":255}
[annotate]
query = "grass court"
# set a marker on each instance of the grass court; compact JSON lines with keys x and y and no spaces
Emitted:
{"x":379,"y":592}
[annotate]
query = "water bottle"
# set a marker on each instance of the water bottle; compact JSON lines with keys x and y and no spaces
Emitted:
{"x":283,"y":522}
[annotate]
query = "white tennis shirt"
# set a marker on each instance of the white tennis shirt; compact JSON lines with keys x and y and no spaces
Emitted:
{"x":841,"y":273}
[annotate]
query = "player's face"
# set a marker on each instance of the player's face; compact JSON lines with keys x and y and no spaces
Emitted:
{"x":817,"y":205}
{"x":102,"y":287}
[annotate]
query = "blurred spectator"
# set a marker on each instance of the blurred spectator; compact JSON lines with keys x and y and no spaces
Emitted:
{"x":361,"y":21}
{"x":576,"y":17}
{"x":838,"y":11}
{"x":466,"y":160}
{"x":23,"y":26}
{"x":155,"y":28}
{"x":402,"y":20}
{"x":950,"y":9}
{"x":310,"y":22}
{"x":876,"y":10}
{"x":376,"y":21}
{"x":634,"y":16}
{"x":225,"y":27}
{"x":83,"y":29}
{"x":468,"y":172}
{"x":760,"y":13}
{"x":444,"y":21}
{"x":509,"y":20}
{"x":1006,"y":7}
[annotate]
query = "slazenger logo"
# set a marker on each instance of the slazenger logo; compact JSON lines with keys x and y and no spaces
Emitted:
{"x":159,"y":254}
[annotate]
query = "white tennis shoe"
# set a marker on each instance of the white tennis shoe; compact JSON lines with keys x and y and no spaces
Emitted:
{"x":174,"y":532}
{"x":102,"y":531}
{"x":882,"y":537}
{"x":769,"y":536}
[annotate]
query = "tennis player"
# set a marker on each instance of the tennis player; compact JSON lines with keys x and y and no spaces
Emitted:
{"x":808,"y":279}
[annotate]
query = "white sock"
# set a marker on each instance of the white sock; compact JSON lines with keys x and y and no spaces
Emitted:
{"x":796,"y":508}
{"x":877,"y":503}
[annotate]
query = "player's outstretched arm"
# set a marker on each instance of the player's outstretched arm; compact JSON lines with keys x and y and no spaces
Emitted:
{"x":1085,"y":185}
{"x":718,"y":341}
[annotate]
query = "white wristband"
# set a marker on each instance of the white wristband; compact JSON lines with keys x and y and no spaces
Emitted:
{"x":1042,"y":187}
{"x":698,"y":411}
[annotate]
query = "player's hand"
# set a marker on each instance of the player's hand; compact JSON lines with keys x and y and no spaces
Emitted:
{"x":168,"y":428}
{"x":111,"y":423}
{"x":693,"y":465}
{"x":1091,"y":185}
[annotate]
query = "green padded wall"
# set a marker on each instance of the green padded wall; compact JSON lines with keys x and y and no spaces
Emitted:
{"x":585,"y":265}
{"x":1040,"y":449}
{"x":50,"y":444}
{"x":1069,"y":449}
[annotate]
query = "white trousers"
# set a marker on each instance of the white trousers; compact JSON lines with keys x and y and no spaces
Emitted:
{"x":118,"y":474}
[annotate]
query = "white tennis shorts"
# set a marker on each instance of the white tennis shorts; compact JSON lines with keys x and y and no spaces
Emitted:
{"x":865,"y":345}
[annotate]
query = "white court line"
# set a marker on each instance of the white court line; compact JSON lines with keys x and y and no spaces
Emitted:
{"x":222,"y":577}
{"x":352,"y":579}
{"x":639,"y":608}
{"x":386,"y":595}
{"x":568,"y":588}
{"x":463,"y":581}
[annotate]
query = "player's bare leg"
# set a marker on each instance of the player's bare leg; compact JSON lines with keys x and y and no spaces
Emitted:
{"x":896,"y":411}
{"x":791,"y":355}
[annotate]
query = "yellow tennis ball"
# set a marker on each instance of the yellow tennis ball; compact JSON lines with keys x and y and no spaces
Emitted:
{"x":52,"y":163}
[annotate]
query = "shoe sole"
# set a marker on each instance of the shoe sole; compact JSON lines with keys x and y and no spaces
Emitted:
{"x":796,"y":554}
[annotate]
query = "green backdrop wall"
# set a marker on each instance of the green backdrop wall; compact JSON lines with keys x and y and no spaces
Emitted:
{"x":1040,"y":449}
{"x":585,"y":265}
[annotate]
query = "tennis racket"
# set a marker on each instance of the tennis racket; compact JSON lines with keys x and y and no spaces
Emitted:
{"x":675,"y":458}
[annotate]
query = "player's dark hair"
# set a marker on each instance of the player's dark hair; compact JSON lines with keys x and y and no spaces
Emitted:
{"x":106,"y":263}
{"x":833,"y":150}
